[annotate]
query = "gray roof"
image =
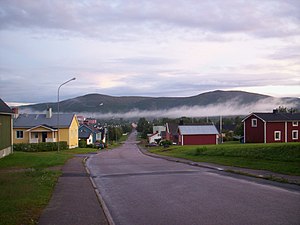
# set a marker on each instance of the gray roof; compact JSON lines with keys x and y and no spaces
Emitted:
{"x":199,"y":129}
{"x":276,"y":117}
{"x":32,"y":120}
{"x":4,"y":108}
{"x":84,"y":135}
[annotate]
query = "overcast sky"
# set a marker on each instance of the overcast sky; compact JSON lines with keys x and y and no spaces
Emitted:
{"x":148,"y":47}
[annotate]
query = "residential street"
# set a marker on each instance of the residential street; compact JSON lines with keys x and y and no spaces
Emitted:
{"x":139,"y":189}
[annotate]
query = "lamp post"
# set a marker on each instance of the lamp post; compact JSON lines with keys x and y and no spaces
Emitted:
{"x":58,"y":109}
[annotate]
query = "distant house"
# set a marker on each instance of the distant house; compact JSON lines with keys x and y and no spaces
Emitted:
{"x":172,"y":132}
{"x":153,"y":137}
{"x":89,"y":121}
{"x":90,"y":129}
{"x":80,"y":119}
{"x":36,"y":128}
{"x":158,"y":129}
{"x":197,"y":135}
{"x":271,"y":127}
{"x":86,"y":136}
{"x":5,"y":129}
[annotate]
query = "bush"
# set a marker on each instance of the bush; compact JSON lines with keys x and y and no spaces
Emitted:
{"x":40,"y":147}
{"x":166,"y":143}
{"x":82,"y":143}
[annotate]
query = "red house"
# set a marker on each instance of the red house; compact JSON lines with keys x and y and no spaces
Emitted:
{"x":271,"y":127}
{"x":171,"y":132}
{"x":197,"y":135}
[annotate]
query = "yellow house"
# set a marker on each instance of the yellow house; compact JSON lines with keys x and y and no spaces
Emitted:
{"x":36,"y":128}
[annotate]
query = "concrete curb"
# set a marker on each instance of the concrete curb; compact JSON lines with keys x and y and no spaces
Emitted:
{"x":100,"y":198}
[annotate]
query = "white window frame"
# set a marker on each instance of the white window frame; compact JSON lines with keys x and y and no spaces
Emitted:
{"x":295,"y":123}
{"x":279,"y":135}
{"x":254,"y":122}
{"x":18,"y":136}
{"x":296,"y":136}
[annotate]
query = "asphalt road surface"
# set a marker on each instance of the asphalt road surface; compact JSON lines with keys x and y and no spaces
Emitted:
{"x":141,"y":190}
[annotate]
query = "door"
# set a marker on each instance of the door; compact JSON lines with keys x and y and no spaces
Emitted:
{"x":44,"y":136}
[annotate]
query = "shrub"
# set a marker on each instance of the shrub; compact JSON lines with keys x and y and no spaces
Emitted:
{"x":40,"y":147}
{"x":82,"y":143}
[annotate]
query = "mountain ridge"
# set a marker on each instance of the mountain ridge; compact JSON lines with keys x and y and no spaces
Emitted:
{"x":111,"y":104}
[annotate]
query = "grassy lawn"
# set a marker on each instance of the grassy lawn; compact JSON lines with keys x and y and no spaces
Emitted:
{"x":26,"y":184}
{"x":280,"y":157}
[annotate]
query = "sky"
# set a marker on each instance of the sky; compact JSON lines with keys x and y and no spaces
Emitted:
{"x":147,"y":48}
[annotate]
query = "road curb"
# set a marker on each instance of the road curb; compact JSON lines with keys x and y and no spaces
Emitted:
{"x":145,"y":152}
{"x":100,"y":198}
{"x":274,"y":177}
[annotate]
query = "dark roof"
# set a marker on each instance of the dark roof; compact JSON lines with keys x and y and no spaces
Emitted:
{"x":4,"y":108}
{"x":90,"y":128}
{"x":276,"y":117}
{"x":32,"y":120}
{"x":84,"y":135}
{"x":173,"y":127}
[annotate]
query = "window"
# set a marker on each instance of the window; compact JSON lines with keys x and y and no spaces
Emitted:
{"x":254,"y":122}
{"x":36,"y":135}
{"x":19,"y":134}
{"x":277,"y":135}
{"x":295,"y":123}
{"x":295,"y":135}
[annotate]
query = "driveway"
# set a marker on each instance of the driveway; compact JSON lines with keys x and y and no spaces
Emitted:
{"x":141,"y":190}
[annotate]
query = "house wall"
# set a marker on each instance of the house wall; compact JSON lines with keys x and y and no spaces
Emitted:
{"x":198,"y":139}
{"x":290,"y":129}
{"x":5,"y":131}
{"x":25,"y":138}
{"x":73,"y":133}
{"x":5,"y":135}
{"x":152,"y":138}
{"x":271,"y":128}
{"x":254,"y":134}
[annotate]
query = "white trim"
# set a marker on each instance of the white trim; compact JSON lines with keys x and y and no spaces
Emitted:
{"x":297,"y":134}
{"x":277,"y":132}
{"x":252,"y":122}
{"x":244,"y":132}
{"x":265,"y":132}
{"x":295,"y":123}
{"x":285,"y":132}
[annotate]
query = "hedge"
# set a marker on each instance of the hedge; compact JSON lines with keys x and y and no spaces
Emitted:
{"x":40,"y":147}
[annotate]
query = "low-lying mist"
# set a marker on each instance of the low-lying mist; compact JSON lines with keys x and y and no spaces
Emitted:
{"x":229,"y":108}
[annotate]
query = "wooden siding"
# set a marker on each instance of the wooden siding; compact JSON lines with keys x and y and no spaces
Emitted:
{"x":271,"y":128}
{"x":5,"y":131}
{"x":209,"y":139}
{"x":254,"y":134}
{"x":290,"y":129}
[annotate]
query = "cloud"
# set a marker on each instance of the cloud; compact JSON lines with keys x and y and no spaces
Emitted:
{"x":131,"y":18}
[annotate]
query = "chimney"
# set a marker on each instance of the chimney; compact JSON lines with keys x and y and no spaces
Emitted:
{"x":49,"y":113}
{"x":275,"y":111}
{"x":15,"y":112}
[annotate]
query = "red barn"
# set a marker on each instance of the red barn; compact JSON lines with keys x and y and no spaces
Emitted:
{"x":271,"y":127}
{"x":197,"y":135}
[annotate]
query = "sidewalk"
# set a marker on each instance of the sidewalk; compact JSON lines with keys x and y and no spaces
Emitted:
{"x":74,"y":201}
{"x":264,"y":174}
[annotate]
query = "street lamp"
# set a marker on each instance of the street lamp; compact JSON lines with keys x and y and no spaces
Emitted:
{"x":58,"y":109}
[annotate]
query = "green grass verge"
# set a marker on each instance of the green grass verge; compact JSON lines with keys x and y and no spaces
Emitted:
{"x":281,"y":158}
{"x":26,"y":184}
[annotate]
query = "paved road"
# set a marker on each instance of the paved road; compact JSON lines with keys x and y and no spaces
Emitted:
{"x":139,"y":189}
